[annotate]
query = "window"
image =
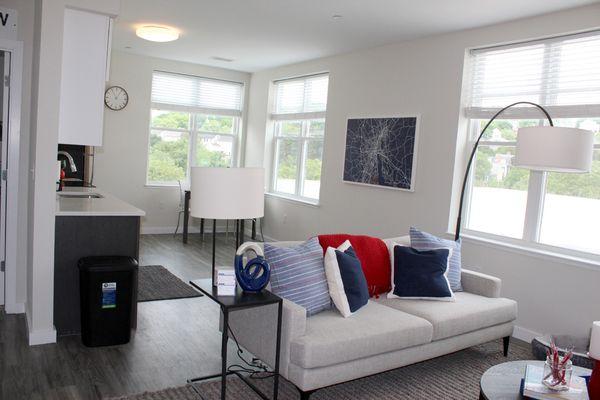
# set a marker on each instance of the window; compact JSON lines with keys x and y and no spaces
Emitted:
{"x":299,"y":123}
{"x":548,"y":209}
{"x":193,"y":122}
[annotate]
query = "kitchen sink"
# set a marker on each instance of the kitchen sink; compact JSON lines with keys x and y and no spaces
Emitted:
{"x":81,"y":195}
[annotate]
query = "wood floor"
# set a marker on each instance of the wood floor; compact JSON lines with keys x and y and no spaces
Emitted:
{"x":175,"y":339}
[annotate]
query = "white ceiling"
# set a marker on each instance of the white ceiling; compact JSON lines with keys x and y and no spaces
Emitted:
{"x":259,"y":34}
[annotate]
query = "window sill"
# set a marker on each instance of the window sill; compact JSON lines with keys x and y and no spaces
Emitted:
{"x":159,"y":185}
{"x":549,"y":254}
{"x":293,"y":199}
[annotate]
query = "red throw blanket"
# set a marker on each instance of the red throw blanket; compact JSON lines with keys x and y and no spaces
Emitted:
{"x":373,"y":255}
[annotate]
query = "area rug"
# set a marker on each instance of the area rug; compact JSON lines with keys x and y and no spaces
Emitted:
{"x":155,"y":282}
{"x":455,"y":376}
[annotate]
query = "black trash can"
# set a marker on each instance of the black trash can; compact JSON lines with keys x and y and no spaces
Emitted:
{"x":107,"y":289}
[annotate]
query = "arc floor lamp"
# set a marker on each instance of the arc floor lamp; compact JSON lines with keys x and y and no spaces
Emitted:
{"x":541,"y":148}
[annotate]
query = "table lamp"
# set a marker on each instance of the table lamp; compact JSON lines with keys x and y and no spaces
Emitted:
{"x":594,"y":353}
{"x":226,"y":193}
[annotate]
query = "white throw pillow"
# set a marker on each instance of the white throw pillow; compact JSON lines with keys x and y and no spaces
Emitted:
{"x":334,"y":279}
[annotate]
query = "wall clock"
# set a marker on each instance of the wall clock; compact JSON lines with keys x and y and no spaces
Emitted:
{"x":116,"y":98}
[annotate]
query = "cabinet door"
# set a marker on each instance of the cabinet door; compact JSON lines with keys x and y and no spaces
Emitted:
{"x":84,"y":59}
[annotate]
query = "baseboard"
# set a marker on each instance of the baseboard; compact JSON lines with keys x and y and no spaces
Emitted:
{"x":258,"y":236}
{"x":162,"y":230}
{"x":524,"y":334}
{"x":17,"y":308}
{"x":43,"y":336}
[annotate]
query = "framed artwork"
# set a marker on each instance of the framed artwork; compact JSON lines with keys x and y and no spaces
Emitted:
{"x":381,"y":152}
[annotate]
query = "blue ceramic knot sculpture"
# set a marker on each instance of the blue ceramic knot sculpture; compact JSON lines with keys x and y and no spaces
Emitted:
{"x":254,"y":276}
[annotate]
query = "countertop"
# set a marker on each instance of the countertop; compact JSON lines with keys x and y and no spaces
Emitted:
{"x":107,"y":205}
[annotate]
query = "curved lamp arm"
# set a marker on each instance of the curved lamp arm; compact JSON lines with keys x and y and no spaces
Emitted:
{"x":464,"y":184}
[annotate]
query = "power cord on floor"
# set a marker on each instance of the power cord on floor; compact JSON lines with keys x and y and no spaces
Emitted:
{"x":253,"y":368}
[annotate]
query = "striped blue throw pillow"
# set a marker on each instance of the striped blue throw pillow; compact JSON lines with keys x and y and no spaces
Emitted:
{"x":298,"y":275}
{"x":426,"y":241}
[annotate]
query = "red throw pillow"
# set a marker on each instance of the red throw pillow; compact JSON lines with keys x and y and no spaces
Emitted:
{"x":373,"y":255}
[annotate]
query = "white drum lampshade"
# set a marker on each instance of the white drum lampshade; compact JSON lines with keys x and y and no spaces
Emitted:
{"x":227,"y":193}
{"x":594,"y":351}
{"x":555,"y":149}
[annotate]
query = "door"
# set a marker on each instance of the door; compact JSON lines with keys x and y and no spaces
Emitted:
{"x":5,"y":77}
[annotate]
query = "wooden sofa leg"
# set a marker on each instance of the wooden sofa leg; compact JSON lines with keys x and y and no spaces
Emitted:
{"x":506,"y":342}
{"x":305,"y":395}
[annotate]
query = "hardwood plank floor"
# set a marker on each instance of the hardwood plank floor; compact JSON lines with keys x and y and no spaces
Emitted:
{"x":175,"y":339}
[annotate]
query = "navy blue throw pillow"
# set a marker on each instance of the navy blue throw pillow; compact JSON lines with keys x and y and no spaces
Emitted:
{"x":421,"y":274}
{"x":353,"y":277}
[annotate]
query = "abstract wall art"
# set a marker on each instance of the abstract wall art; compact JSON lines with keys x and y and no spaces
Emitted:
{"x":381,"y":152}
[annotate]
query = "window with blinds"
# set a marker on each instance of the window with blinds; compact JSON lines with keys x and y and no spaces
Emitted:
{"x":196,"y":94}
{"x":560,"y":73}
{"x":299,"y":109}
{"x":194,"y":121}
{"x":552,"y":211}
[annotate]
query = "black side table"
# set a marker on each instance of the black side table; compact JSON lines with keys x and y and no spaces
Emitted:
{"x":240,"y":301}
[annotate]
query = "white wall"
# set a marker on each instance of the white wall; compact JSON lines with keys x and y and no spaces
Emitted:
{"x":45,"y":97}
{"x":422,"y":77}
{"x":121,"y":161}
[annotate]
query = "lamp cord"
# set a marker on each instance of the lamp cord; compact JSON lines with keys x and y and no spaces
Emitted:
{"x":464,"y":184}
{"x":253,"y":368}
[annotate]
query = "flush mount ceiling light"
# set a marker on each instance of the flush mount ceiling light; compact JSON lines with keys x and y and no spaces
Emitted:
{"x":156,"y":33}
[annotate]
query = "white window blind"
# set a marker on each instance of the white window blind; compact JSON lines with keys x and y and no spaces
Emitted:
{"x":301,"y":98}
{"x":172,"y":91}
{"x":561,"y":74}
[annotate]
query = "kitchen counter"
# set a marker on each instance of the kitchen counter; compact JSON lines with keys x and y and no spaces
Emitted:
{"x":87,"y":226}
{"x":106,"y":205}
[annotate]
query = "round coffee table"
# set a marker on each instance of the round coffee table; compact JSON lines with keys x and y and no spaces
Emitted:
{"x":503,"y":381}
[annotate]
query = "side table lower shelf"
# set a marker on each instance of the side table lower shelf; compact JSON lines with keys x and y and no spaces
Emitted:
{"x":239,"y":302}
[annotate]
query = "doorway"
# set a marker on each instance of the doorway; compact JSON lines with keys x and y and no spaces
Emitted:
{"x":4,"y":123}
{"x":11,"y":64}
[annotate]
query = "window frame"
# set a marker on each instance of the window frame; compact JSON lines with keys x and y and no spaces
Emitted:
{"x":536,"y":190}
{"x":193,"y":134}
{"x":303,"y":140}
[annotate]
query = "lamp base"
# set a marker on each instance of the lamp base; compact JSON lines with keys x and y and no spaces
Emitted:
{"x":594,"y":385}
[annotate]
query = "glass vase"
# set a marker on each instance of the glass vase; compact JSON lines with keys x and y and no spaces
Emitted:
{"x":556,"y":376}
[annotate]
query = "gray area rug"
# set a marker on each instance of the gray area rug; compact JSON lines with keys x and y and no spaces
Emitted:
{"x":155,"y":282}
{"x":455,"y":376}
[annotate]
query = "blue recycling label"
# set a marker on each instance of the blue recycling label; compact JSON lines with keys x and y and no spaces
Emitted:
{"x":109,"y":295}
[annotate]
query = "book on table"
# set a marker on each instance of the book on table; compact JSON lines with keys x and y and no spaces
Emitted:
{"x":533,"y":388}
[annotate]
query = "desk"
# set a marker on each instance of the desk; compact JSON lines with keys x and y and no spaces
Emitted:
{"x":239,"y":231}
{"x":240,"y":301}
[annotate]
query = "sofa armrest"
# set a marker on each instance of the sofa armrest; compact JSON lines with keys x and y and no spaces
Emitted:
{"x":256,"y":331}
{"x":481,"y":284}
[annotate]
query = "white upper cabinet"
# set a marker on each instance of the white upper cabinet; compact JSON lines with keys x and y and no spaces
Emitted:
{"x":86,"y":47}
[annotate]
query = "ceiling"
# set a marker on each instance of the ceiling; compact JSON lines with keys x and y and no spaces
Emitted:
{"x":259,"y":34}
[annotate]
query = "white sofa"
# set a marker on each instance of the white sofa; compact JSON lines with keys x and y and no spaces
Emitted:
{"x":327,"y":349}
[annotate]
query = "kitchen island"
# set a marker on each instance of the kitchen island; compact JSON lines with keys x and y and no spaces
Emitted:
{"x":89,"y":222}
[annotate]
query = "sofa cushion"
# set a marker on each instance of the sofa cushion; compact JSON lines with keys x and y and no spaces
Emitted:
{"x":373,"y":255}
{"x":468,"y":313}
{"x":332,"y":339}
